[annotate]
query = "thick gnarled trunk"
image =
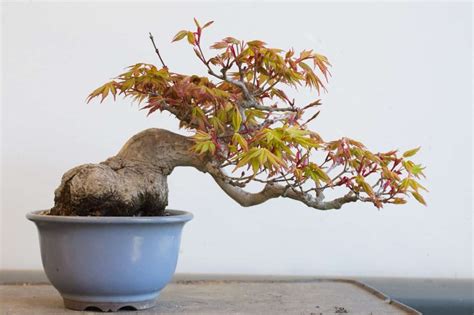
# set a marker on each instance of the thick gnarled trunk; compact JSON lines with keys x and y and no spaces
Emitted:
{"x":132,"y":183}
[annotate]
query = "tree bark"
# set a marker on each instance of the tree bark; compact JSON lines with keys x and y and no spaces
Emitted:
{"x":131,"y":183}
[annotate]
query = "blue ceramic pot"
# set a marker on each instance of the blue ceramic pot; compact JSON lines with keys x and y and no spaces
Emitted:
{"x":109,"y":263}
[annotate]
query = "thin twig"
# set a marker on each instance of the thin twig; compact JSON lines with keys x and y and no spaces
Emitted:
{"x":157,"y":51}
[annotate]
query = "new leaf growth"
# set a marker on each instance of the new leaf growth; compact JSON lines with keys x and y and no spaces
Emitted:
{"x":249,"y":130}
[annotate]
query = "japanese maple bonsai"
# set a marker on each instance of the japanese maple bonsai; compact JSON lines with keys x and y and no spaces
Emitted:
{"x":246,"y":129}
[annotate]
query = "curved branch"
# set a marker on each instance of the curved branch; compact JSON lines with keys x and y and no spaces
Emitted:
{"x":251,"y":102}
{"x":271,"y":191}
{"x":249,"y":99}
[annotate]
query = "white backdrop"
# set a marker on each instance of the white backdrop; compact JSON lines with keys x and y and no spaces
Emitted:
{"x":401,"y":78}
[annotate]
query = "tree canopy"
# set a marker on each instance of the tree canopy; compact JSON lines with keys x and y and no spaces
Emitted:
{"x":251,"y":131}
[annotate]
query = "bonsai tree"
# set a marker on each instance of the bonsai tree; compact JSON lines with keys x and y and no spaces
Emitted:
{"x":245,"y":129}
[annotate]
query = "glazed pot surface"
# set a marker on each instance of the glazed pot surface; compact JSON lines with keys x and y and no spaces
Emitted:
{"x":109,"y":262}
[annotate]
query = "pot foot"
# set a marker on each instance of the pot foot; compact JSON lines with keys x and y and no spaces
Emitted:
{"x":108,"y":306}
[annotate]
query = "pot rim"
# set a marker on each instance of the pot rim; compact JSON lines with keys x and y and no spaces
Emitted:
{"x":178,"y":216}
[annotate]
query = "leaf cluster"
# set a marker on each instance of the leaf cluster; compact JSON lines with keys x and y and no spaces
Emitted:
{"x":242,"y":118}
